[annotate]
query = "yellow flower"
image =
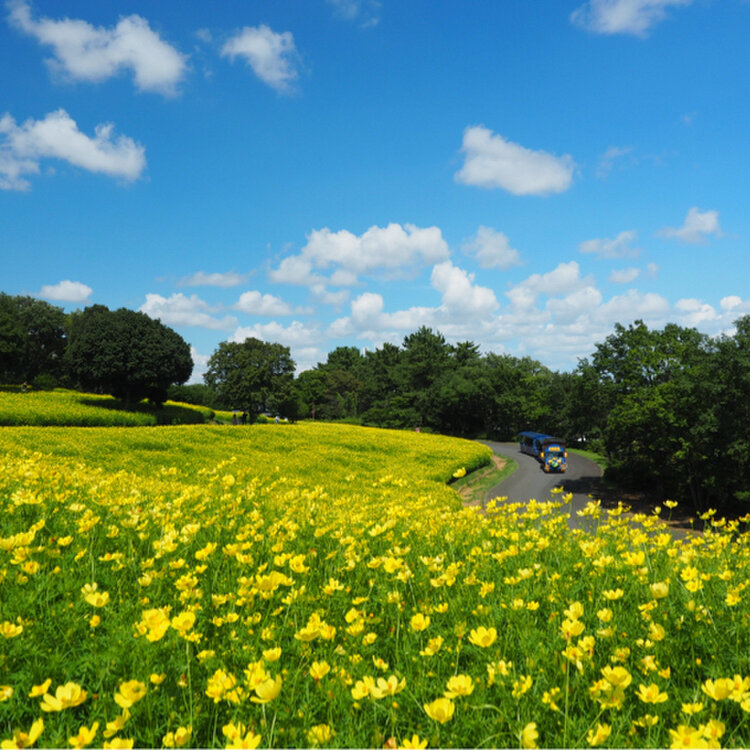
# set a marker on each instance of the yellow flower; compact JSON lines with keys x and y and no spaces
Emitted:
{"x":6,"y":692}
{"x":459,"y":685}
{"x":522,"y":685}
{"x":660,"y":589}
{"x":272,"y":654}
{"x":24,"y":739}
{"x":84,"y":737}
{"x":414,"y":743}
{"x":238,"y":737}
{"x":574,"y":611}
{"x":691,"y":708}
{"x":130,"y":692}
{"x":686,"y":737}
{"x":319,"y":670}
{"x":613,"y":594}
{"x":66,"y":696}
{"x":432,"y":647}
{"x":319,"y":735}
{"x":183,"y":622}
{"x":440,"y":710}
{"x":718,"y":689}
{"x":529,"y":735}
{"x":114,"y":726}
{"x":179,"y":738}
{"x":154,"y":624}
{"x":420,"y":622}
{"x":617,"y":676}
{"x":157,"y":679}
{"x":384,"y":687}
{"x":118,"y":743}
{"x":362,"y":688}
{"x":9,"y":630}
{"x":458,"y":473}
{"x":598,"y":735}
{"x":94,"y":621}
{"x":97,"y":598}
{"x":571,"y":628}
{"x":267,"y":690}
{"x":483,"y":637}
{"x":651,"y":694}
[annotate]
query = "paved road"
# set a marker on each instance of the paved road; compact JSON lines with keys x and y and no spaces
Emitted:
{"x":529,"y":481}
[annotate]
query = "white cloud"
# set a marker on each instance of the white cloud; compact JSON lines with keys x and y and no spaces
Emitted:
{"x":697,"y":226}
{"x":624,"y":275}
{"x":179,"y":310}
{"x":632,"y":305}
{"x":228,"y":279}
{"x":492,"y":249}
{"x":573,"y":306}
{"x":66,"y":291}
{"x":57,"y":137}
{"x":623,"y":16}
{"x":493,"y":162}
{"x":84,"y":52}
{"x":563,"y":279}
{"x":619,"y":247}
{"x":461,"y":297}
{"x":392,"y":249}
{"x":296,"y":334}
{"x":271,"y":55}
{"x":255,"y":303}
{"x":731,"y":302}
{"x":693,"y":312}
{"x":200,"y":365}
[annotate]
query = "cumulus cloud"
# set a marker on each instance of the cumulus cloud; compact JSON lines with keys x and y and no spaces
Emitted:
{"x":179,"y":310}
{"x":562,"y":280}
{"x":271,"y":55}
{"x":634,"y":17}
{"x":255,"y":303}
{"x":228,"y":279}
{"x":696,"y":228}
{"x":392,"y":249}
{"x":296,"y":334}
{"x":57,"y":136}
{"x":604,"y":247}
{"x":460,"y":296}
{"x":624,"y":275}
{"x":87,"y":53}
{"x":491,"y":161}
{"x":492,"y":249}
{"x":66,"y":291}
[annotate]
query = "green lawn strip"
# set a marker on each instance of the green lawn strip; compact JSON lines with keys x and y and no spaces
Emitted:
{"x":591,"y":455}
{"x":474,"y":486}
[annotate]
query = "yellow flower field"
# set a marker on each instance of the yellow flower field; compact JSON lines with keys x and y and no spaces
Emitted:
{"x":321,"y":585}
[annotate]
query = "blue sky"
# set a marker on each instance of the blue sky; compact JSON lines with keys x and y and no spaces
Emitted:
{"x":521,"y":174}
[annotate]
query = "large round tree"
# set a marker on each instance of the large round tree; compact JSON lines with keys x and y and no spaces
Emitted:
{"x":126,"y":353}
{"x":254,"y":375}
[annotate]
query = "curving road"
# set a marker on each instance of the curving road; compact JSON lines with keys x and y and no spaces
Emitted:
{"x":529,"y":481}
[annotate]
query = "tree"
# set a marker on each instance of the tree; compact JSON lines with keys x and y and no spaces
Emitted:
{"x":254,"y":376}
{"x":32,"y":339}
{"x":126,"y":354}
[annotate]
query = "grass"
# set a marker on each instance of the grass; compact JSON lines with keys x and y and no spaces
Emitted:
{"x":474,"y":486}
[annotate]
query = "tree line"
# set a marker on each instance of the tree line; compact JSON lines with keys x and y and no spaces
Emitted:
{"x":670,"y":408}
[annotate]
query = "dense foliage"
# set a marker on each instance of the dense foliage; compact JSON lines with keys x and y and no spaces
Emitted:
{"x":320,"y":585}
{"x":126,"y":354}
{"x":32,"y":339}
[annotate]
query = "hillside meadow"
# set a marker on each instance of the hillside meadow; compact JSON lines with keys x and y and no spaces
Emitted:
{"x":322,"y":585}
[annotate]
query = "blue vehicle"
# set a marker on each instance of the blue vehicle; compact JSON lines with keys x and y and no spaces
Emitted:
{"x":550,"y":451}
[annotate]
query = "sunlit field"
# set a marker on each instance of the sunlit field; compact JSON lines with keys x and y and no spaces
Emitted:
{"x":322,"y":585}
{"x":70,"y":408}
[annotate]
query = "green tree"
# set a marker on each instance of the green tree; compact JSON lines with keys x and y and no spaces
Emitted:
{"x":252,"y":375}
{"x":32,"y":339}
{"x":126,"y":354}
